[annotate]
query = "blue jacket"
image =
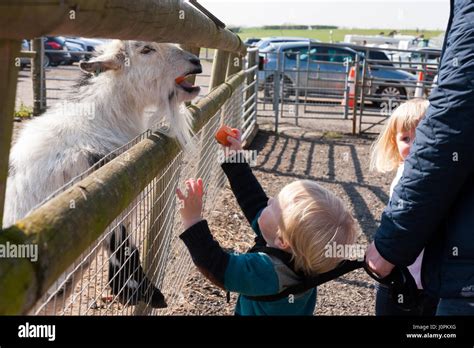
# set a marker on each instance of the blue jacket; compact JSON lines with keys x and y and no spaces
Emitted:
{"x":251,"y":274}
{"x":432,"y":206}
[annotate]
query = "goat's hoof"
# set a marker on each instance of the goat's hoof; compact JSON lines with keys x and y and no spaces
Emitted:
{"x":158,"y":300}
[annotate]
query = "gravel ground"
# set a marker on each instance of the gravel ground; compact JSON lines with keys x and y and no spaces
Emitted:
{"x":337,"y":161}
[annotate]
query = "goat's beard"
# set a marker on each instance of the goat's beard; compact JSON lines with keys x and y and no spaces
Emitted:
{"x":180,"y":121}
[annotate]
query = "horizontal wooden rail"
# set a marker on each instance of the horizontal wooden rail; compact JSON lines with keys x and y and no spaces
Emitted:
{"x":149,"y":20}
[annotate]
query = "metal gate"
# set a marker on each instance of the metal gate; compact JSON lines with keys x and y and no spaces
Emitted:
{"x":356,"y":85}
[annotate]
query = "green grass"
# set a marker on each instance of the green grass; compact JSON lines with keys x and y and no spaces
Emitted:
{"x":332,"y":135}
{"x":24,"y":111}
{"x":324,"y":34}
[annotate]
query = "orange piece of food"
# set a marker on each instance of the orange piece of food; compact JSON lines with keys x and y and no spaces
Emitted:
{"x":223,"y":132}
{"x":180,"y":79}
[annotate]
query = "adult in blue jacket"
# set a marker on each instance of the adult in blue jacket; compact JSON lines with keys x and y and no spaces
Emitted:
{"x":432,"y":207}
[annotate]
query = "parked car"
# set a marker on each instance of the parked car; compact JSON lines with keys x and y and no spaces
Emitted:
{"x":266,"y":41}
{"x":428,"y":55}
{"x":25,"y":46}
{"x":251,"y":41}
{"x":431,"y":55}
{"x":322,"y":71}
{"x":56,"y":43}
{"x":90,"y":45}
{"x":74,"y":45}
{"x":379,"y":55}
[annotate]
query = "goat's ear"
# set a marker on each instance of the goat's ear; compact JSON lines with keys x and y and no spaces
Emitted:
{"x":102,"y":64}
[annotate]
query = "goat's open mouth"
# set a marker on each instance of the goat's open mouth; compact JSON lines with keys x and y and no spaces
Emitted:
{"x":185,"y":84}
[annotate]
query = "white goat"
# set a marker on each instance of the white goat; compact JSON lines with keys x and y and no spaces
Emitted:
{"x":106,"y":112}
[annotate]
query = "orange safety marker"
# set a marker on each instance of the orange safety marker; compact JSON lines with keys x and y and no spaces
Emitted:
{"x":419,"y":85}
{"x":351,"y":81}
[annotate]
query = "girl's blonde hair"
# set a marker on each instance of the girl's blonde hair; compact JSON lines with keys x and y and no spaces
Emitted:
{"x":384,"y":152}
{"x":312,"y":219}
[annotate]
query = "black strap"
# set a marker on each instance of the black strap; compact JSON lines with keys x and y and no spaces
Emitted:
{"x":401,"y":283}
{"x":308,"y":283}
{"x":283,"y":256}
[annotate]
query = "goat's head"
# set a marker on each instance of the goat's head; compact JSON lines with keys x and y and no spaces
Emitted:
{"x":153,"y":74}
{"x":150,"y":69}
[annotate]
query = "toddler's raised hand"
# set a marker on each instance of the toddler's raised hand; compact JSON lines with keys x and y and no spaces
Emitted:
{"x":191,"y":212}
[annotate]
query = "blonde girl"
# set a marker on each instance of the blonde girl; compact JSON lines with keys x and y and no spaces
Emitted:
{"x":388,"y":154}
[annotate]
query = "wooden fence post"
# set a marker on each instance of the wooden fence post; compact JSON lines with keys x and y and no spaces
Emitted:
{"x":37,"y":77}
{"x":234,"y":65}
{"x":219,"y":69}
{"x":9,"y":50}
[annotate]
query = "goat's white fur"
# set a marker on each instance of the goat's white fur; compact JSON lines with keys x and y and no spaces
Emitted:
{"x":56,"y":147}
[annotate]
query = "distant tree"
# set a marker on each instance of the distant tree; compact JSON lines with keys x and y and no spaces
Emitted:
{"x":297,"y":27}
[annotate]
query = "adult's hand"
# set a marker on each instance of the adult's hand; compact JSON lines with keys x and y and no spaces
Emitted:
{"x":376,"y":262}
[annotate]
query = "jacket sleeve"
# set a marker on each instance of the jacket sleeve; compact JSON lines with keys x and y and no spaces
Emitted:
{"x":206,"y":253}
{"x":246,"y":188}
{"x":249,"y":274}
{"x":440,"y":160}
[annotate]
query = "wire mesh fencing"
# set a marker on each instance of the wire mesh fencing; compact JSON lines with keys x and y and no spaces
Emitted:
{"x":140,"y":251}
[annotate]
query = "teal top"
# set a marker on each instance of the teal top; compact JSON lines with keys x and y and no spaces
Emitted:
{"x":257,"y":274}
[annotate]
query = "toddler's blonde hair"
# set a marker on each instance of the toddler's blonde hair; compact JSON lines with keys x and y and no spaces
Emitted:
{"x":384,"y":152}
{"x":312,"y":219}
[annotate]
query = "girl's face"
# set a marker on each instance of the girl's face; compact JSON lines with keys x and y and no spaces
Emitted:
{"x":404,"y":141}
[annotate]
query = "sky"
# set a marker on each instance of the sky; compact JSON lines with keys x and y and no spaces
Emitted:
{"x":400,"y":14}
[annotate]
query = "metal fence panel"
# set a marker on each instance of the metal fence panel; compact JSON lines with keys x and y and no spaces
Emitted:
{"x":319,"y":81}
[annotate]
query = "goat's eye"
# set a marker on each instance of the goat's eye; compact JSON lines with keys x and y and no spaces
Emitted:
{"x":147,"y":49}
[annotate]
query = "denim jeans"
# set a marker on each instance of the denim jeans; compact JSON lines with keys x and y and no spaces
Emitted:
{"x":384,"y":304}
{"x":456,"y":306}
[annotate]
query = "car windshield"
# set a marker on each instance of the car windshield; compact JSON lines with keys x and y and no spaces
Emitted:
{"x":427,"y":55}
{"x":337,"y":55}
{"x":304,"y":53}
{"x":269,"y":48}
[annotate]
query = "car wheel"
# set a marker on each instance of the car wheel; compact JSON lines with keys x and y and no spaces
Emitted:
{"x":46,"y":61}
{"x":391,"y":97}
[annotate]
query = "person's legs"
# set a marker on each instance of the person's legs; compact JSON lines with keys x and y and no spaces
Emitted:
{"x":455,"y":306}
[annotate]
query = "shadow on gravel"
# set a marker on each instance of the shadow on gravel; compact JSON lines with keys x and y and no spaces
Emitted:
{"x":281,"y":159}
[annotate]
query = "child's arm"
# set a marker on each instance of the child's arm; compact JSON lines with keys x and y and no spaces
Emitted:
{"x":248,"y":274}
{"x":245,"y":186}
{"x":251,"y":274}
